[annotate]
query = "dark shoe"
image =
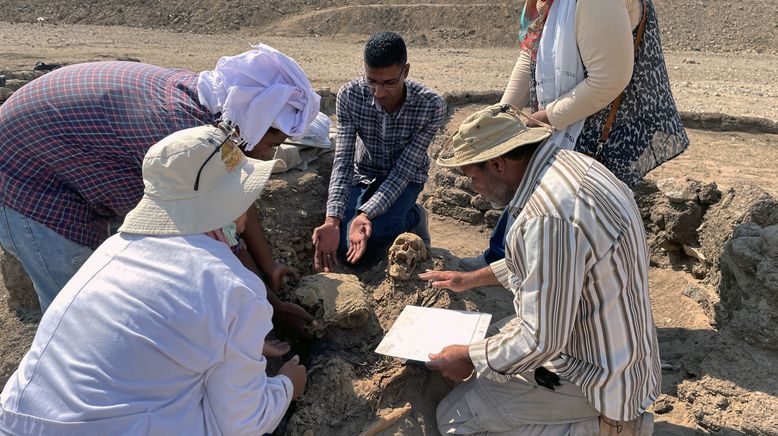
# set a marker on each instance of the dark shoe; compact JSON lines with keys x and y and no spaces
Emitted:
{"x":423,"y":227}
{"x":472,"y":263}
{"x":41,"y":66}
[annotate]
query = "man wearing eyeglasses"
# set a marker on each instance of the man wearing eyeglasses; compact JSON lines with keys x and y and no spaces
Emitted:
{"x":385,"y":125}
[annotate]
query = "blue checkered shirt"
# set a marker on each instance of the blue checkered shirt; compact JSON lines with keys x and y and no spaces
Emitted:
{"x":375,"y":144}
{"x":72,"y":141}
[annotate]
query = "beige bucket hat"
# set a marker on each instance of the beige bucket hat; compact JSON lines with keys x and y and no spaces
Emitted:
{"x":195,"y":180}
{"x":489,"y":133}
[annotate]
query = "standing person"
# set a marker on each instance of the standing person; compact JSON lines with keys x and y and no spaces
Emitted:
{"x":583,"y":63}
{"x":581,"y":351}
{"x":72,"y":142}
{"x":385,"y":126}
{"x":161,"y":330}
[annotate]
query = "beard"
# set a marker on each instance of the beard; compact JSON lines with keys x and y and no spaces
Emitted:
{"x":500,"y":194}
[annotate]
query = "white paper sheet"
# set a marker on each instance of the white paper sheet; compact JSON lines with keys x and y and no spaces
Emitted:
{"x":419,"y":331}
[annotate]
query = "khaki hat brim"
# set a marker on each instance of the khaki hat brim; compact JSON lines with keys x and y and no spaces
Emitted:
{"x":530,"y":136}
{"x":210,"y":211}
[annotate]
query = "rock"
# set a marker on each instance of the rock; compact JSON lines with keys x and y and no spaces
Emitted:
{"x":456,"y":196}
{"x":682,"y":221}
{"x":466,"y":214}
{"x":445,"y":178}
{"x":709,"y":194}
{"x":679,"y":190}
{"x":481,"y":203}
{"x":491,"y":217}
{"x":658,"y":219}
{"x":337,"y":299}
{"x":663,"y":405}
{"x":741,"y":204}
{"x":748,"y":287}
{"x":749,"y":290}
{"x":706,"y":297}
{"x":5,"y":93}
{"x":711,"y":402}
{"x":21,"y":293}
{"x":464,"y":182}
{"x":15,"y":84}
{"x":24,"y":75}
{"x":327,"y":104}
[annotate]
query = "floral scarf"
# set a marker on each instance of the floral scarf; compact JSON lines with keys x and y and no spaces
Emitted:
{"x":530,"y":29}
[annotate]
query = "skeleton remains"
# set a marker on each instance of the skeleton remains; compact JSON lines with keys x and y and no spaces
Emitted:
{"x":404,"y":254}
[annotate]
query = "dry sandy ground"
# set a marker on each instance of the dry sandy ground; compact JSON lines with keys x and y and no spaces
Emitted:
{"x":734,"y":84}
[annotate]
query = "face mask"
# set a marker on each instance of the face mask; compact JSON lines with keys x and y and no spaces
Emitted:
{"x":231,"y":233}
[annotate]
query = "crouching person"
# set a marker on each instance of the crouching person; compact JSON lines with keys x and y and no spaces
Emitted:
{"x":581,"y":354}
{"x":161,"y":331}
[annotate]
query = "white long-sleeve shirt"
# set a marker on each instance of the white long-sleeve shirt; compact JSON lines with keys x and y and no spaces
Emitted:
{"x":577,"y":262}
{"x":153,"y":335}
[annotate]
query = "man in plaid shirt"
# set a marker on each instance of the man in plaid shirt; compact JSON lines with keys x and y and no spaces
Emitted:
{"x":71,"y":147}
{"x":385,"y":125}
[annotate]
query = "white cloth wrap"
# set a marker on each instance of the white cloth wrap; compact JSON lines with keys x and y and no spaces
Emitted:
{"x":259,"y":89}
{"x":559,"y":68}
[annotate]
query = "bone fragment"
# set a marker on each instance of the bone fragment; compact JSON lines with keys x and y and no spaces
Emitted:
{"x":387,"y":420}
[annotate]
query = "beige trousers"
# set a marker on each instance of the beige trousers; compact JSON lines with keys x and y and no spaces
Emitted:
{"x":516,"y":406}
{"x":499,"y":405}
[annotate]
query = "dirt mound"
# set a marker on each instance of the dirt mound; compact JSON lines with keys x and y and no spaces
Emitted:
{"x":685,"y":24}
{"x":421,"y":24}
{"x":350,"y":384}
{"x":728,"y":241}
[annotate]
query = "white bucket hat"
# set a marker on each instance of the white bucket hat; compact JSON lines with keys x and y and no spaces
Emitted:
{"x":195,"y":180}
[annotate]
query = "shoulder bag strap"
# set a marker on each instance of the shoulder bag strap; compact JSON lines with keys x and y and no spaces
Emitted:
{"x":606,"y":129}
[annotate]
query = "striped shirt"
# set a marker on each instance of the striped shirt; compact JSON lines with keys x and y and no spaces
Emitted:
{"x":72,"y":141}
{"x":576,"y":260}
{"x":375,"y":144}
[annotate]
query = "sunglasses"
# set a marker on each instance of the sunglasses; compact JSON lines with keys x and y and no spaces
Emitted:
{"x":232,"y":135}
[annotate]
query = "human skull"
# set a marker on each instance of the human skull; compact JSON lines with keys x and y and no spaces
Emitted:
{"x":404,"y":254}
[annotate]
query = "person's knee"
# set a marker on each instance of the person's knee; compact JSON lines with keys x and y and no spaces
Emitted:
{"x":441,"y":417}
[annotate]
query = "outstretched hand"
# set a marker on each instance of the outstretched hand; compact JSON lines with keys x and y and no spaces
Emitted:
{"x":455,"y":280}
{"x":359,"y":232}
{"x":325,"y":241}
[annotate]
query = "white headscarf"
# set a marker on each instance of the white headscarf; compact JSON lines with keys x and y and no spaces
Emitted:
{"x":259,"y":89}
{"x":559,"y":68}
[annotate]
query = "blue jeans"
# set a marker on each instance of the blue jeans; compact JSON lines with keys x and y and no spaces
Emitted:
{"x":496,"y":249}
{"x":49,"y":258}
{"x":401,"y":217}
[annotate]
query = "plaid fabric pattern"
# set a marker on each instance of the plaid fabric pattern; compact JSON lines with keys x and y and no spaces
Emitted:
{"x":72,"y":142}
{"x":372,"y":143}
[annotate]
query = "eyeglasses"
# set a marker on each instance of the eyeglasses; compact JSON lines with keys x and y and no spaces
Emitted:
{"x":231,"y":132}
{"x":387,"y":84}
